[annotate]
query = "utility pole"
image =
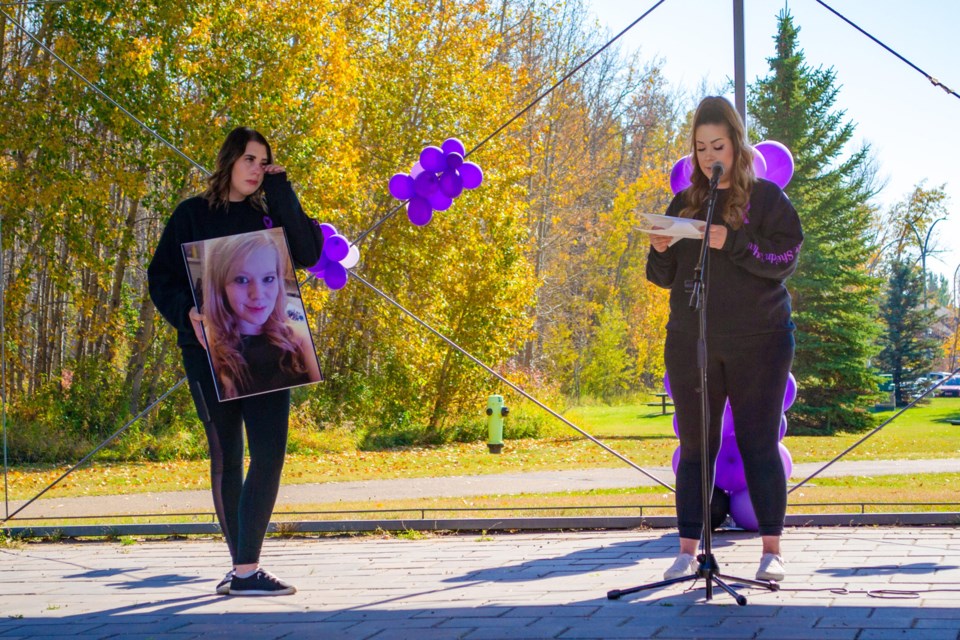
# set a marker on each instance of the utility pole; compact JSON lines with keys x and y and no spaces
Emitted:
{"x":956,"y":321}
{"x":739,"y":66}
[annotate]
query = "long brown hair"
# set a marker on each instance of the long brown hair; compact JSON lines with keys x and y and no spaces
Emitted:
{"x":717,"y":110}
{"x":217,"y":193}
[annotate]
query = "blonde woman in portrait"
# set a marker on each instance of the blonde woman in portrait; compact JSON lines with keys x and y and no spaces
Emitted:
{"x":253,"y":344}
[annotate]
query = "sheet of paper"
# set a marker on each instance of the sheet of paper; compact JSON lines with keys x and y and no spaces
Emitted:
{"x":674,"y":227}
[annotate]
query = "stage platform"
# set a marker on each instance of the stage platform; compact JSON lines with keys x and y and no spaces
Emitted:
{"x":856,"y":583}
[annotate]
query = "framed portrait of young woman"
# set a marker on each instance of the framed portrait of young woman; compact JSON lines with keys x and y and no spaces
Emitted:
{"x":253,"y":320}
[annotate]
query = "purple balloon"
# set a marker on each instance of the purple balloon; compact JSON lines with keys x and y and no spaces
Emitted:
{"x":454,"y":160}
{"x":401,"y":186}
{"x":759,"y":164}
{"x":327,"y":230}
{"x":676,"y":459}
{"x":433,"y":159}
{"x":730,"y":475}
{"x":419,"y":211}
{"x":439,"y":201}
{"x":680,"y":174}
{"x":451,"y":184}
{"x":787,"y":460}
{"x":472,"y":175}
{"x":727,"y":429}
{"x":335,"y":276}
{"x":666,"y":385}
{"x":416,"y":169}
{"x":790,"y":394}
{"x":453,"y":145}
{"x":779,"y":162}
{"x":741,"y":510}
{"x":729,"y":447}
{"x":321,"y":264}
{"x":336,"y":248}
{"x":426,"y":184}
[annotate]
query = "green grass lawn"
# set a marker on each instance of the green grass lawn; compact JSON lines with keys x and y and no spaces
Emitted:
{"x":918,"y":434}
{"x":636,"y":431}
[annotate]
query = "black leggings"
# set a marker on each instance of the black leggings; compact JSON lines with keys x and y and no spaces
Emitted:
{"x":753,"y":372}
{"x":243,"y":506}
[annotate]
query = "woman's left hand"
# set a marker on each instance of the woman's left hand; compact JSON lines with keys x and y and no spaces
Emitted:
{"x":273,"y":168}
{"x":718,"y":236}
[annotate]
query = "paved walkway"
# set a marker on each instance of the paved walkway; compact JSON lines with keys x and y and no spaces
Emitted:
{"x":292,"y":495}
{"x":844,"y":584}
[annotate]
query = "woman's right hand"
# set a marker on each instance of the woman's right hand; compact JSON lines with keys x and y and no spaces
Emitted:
{"x":660,"y":243}
{"x":196,"y":319}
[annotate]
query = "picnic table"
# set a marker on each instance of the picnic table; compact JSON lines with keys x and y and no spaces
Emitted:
{"x":663,"y":404}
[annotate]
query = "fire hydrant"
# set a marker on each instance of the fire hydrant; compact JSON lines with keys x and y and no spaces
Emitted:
{"x":496,"y":412}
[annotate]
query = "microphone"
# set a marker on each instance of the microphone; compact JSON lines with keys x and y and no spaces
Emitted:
{"x":716,"y":170}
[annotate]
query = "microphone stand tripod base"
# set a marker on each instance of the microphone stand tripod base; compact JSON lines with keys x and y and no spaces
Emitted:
{"x":709,"y":570}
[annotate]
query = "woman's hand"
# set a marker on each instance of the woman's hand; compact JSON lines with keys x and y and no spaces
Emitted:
{"x":273,"y":168}
{"x":658,"y":242}
{"x":196,"y":319}
{"x":718,"y":236}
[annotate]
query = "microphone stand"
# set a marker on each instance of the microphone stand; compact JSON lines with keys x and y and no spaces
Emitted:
{"x":708,"y":568}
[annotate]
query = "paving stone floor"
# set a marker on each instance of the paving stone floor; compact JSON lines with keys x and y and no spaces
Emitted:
{"x":866,"y":583}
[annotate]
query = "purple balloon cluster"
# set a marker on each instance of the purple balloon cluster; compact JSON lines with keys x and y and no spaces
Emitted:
{"x":435,"y":180}
{"x":771,"y":160}
{"x":337,"y":256}
{"x":730,"y":476}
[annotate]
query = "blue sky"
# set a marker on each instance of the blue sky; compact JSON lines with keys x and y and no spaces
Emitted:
{"x":912,"y":126}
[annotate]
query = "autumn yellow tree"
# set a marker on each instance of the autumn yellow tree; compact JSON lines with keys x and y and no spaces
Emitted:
{"x":89,"y":188}
{"x":595,"y":149}
{"x":536,"y":273}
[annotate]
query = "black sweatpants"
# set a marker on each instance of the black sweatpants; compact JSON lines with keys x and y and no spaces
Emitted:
{"x":752,"y":371}
{"x":243,"y":505}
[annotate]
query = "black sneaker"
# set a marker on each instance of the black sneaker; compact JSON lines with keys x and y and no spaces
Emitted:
{"x":261,"y":583}
{"x":223,"y":588}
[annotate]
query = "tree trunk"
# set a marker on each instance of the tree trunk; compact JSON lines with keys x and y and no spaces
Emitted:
{"x":136,"y":364}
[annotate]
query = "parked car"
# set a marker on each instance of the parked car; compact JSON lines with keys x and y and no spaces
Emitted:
{"x":951,"y":387}
{"x":923,"y":383}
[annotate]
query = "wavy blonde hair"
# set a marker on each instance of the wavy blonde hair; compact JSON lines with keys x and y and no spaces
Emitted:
{"x":717,"y":110}
{"x":217,"y":193}
{"x":221,"y":255}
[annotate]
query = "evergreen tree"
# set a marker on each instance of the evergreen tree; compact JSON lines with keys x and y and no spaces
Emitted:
{"x":833,"y":293}
{"x":909,"y":346}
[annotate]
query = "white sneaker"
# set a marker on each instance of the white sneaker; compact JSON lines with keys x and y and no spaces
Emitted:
{"x":684,"y":565}
{"x":771,"y":568}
